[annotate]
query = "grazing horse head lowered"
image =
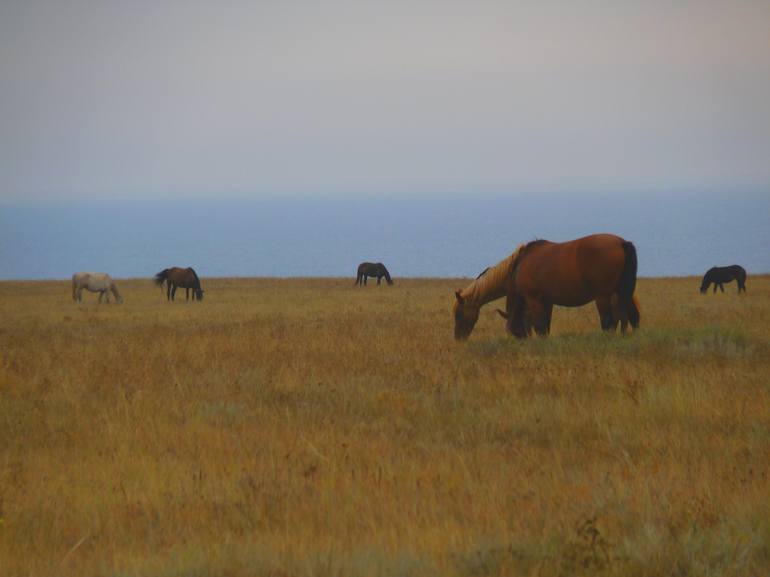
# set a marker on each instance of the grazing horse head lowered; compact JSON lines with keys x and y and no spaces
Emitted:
{"x":176,"y":277}
{"x":490,"y":285}
{"x":722,"y":274}
{"x":95,"y":282}
{"x":372,"y":269}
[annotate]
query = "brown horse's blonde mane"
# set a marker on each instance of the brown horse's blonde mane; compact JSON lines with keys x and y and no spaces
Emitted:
{"x":491,"y":284}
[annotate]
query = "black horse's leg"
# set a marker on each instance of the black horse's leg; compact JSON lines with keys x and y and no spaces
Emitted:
{"x":173,"y":293}
{"x":721,"y":287}
{"x":187,"y":293}
{"x":379,"y":280}
{"x":365,"y":277}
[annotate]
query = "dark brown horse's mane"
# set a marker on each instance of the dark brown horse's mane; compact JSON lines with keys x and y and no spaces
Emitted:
{"x":482,"y":273}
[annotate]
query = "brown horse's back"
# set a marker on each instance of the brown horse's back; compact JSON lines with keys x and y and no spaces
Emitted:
{"x":572,"y":273}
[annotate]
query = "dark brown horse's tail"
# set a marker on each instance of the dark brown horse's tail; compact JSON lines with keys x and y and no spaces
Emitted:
{"x":627,"y":284}
{"x":160,"y":278}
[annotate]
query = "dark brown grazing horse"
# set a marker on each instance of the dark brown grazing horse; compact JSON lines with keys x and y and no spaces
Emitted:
{"x":373,"y":269}
{"x":600,"y":268}
{"x":722,"y":274}
{"x":176,"y":277}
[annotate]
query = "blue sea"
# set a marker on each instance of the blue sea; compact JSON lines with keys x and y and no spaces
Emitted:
{"x":682,"y":233}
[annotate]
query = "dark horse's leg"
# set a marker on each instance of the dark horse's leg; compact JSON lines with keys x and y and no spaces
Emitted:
{"x":168,"y":290}
{"x":187,"y":293}
{"x":365,"y":277}
{"x":721,"y":287}
{"x":173,"y":292}
{"x":379,"y":279}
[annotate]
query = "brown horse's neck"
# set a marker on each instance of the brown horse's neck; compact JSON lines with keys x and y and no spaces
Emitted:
{"x":493,"y":283}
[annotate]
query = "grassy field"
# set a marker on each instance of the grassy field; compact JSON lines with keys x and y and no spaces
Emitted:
{"x":306,"y":427}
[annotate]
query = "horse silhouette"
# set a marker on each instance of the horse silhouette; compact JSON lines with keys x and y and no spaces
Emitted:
{"x":372,"y":269}
{"x":722,"y":274}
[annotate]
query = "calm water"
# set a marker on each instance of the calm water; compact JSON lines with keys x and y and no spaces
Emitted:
{"x":676,"y":234}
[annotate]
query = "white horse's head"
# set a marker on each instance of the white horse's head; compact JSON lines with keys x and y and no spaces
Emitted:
{"x":114,"y":291}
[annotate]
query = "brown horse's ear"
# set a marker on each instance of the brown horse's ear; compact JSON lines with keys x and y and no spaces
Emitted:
{"x":459,"y":296}
{"x":502,"y":314}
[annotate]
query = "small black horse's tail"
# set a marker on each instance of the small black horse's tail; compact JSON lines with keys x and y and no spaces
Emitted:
{"x":627,"y":284}
{"x":160,"y":278}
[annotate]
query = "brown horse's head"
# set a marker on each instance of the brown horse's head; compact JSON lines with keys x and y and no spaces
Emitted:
{"x":466,"y":314}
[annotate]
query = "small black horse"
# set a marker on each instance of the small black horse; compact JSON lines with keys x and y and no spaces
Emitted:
{"x":176,"y":277}
{"x":367,"y":269}
{"x":722,"y":274}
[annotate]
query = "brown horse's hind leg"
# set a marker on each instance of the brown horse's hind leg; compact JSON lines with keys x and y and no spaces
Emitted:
{"x":619,"y":314}
{"x":604,"y":306}
{"x":547,"y":314}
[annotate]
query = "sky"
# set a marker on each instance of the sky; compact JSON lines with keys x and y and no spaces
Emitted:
{"x":167,"y":100}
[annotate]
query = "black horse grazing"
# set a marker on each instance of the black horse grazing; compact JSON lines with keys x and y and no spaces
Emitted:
{"x":176,"y":277}
{"x":722,"y":274}
{"x":367,"y":269}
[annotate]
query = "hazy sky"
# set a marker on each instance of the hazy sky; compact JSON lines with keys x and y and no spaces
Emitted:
{"x":169,"y":99}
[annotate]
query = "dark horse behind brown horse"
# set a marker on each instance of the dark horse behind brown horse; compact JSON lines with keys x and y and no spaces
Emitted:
{"x":176,"y":277}
{"x":600,"y":268}
{"x":723,"y":274}
{"x":372,"y":269}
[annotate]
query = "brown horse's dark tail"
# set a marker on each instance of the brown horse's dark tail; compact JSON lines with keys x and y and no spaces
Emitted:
{"x":627,"y":284}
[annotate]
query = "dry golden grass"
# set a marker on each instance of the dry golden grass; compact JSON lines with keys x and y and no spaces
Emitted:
{"x":305,"y":427}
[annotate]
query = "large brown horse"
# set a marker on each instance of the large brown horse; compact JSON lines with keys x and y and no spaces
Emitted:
{"x":600,"y":268}
{"x":176,"y":277}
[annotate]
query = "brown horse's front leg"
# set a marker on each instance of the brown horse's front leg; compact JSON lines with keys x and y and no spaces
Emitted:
{"x":518,"y":323}
{"x":539,"y":316}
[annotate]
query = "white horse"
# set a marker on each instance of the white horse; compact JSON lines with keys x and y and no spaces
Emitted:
{"x":95,"y":282}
